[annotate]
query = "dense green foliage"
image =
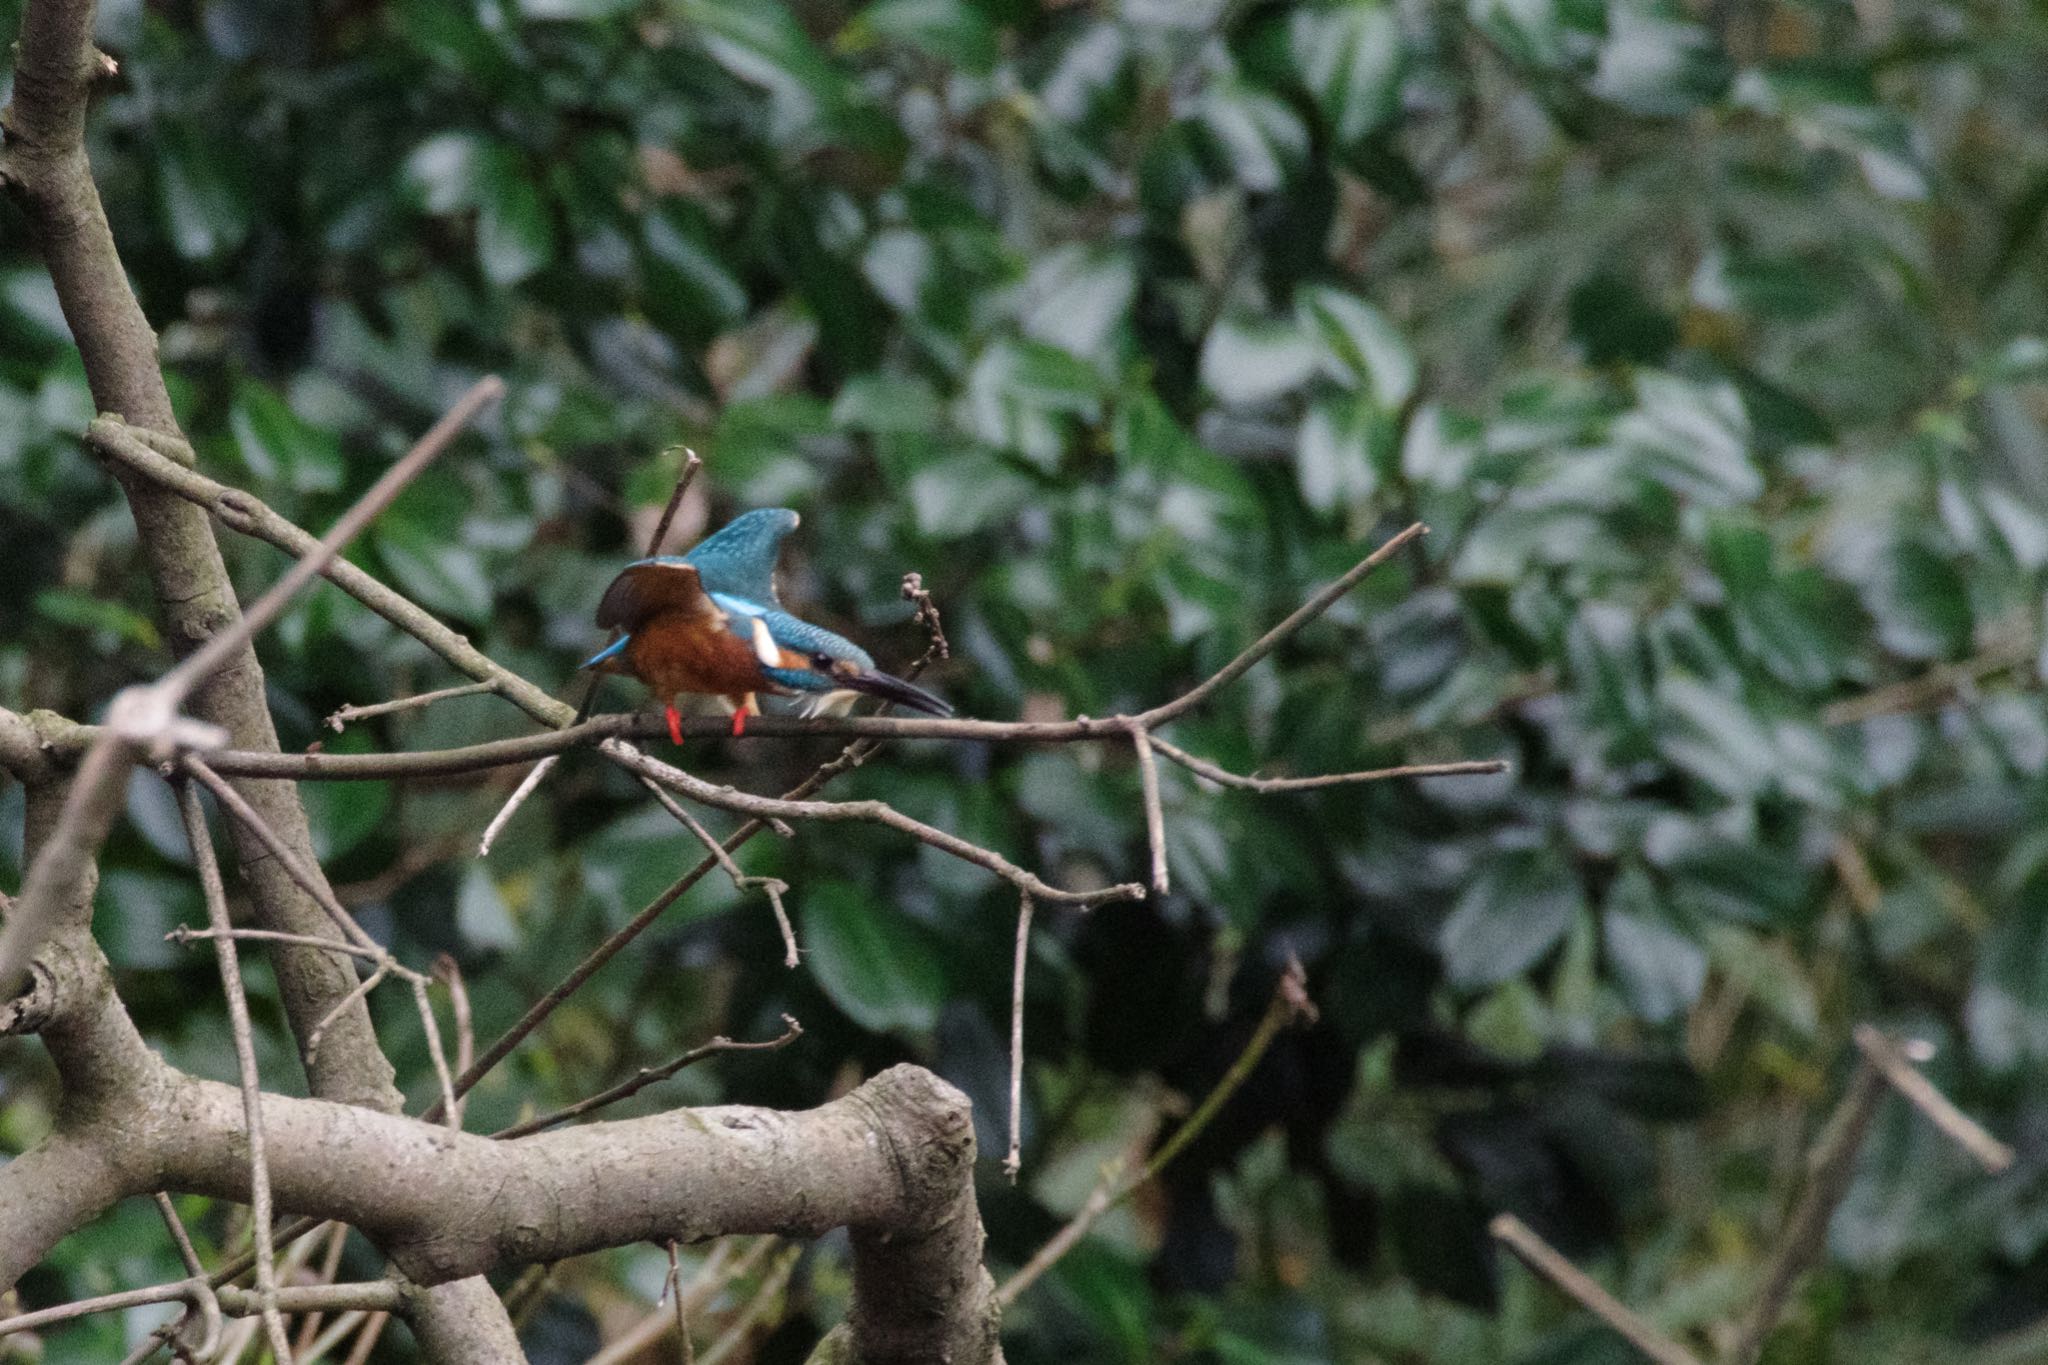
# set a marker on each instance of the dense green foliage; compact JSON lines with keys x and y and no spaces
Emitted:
{"x":1698,"y":335}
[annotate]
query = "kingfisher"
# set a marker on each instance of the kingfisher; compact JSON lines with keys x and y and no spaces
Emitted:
{"x":712,"y":622}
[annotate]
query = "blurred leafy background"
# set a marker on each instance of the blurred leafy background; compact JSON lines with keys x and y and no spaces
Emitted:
{"x":1702,"y":335}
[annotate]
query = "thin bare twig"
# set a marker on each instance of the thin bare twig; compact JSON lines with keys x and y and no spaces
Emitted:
{"x":691,"y":464}
{"x":1546,"y":1261}
{"x":720,"y":1268}
{"x":527,"y":786}
{"x":772,"y":886}
{"x":330,"y":1264}
{"x":448,"y":970}
{"x":238,"y":1303}
{"x":672,"y":1289}
{"x":772,"y":1285}
{"x":366,"y":1341}
{"x":237,"y":805}
{"x":1893,"y":1060}
{"x":1290,"y":1002}
{"x":1155,"y":816}
{"x":177,"y":684}
{"x":208,"y":1302}
{"x":926,"y":615}
{"x":185,"y":934}
{"x":215,"y":892}
{"x":1013,"y":1161}
{"x":874,"y":812}
{"x":650,"y":1075}
{"x":1202,"y":767}
{"x":1803,"y":1238}
{"x":347,"y":715}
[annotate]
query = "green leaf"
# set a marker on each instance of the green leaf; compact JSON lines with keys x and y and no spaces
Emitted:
{"x":687,"y":279}
{"x":1659,"y":967}
{"x":1250,"y":359}
{"x":1360,"y":347}
{"x":875,"y":965}
{"x":954,"y":31}
{"x":765,"y":46}
{"x":1657,"y":66}
{"x":515,"y":236}
{"x":1078,"y":295}
{"x":1693,"y":438}
{"x":1921,"y":603}
{"x":432,"y":564}
{"x":883,"y":402}
{"x":1022,"y":396}
{"x":69,"y":607}
{"x":2007,"y":1010}
{"x":444,"y":174}
{"x":1350,"y":56}
{"x":1263,"y":142}
{"x":1517,"y":908}
{"x":481,"y":914}
{"x":1338,"y":450}
{"x":206,"y":211}
{"x":966,"y":493}
{"x":280,"y":447}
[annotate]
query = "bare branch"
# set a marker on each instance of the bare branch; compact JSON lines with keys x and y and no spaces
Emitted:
{"x":245,"y":1061}
{"x":875,"y":812}
{"x":347,"y":715}
{"x":1013,"y":1161}
{"x":1155,"y":817}
{"x":772,"y":886}
{"x":239,"y":1303}
{"x":1280,"y":634}
{"x":1546,"y":1261}
{"x":691,"y":464}
{"x":1202,"y":767}
{"x":650,"y":1075}
{"x":135,"y":450}
{"x":1290,"y":1002}
{"x":1804,"y":1237}
{"x":1892,"y":1060}
{"x":527,"y":786}
{"x":203,"y":1296}
{"x":447,"y":969}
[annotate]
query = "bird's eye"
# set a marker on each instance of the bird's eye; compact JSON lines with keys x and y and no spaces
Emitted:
{"x":822,"y":662}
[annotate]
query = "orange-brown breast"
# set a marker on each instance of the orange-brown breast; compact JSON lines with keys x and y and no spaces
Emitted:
{"x":675,"y":652}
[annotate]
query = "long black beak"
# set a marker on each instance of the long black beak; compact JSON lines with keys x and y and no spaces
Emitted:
{"x":894,"y":689}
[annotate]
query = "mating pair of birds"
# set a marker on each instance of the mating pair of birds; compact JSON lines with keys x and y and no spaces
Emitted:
{"x":711,"y":622}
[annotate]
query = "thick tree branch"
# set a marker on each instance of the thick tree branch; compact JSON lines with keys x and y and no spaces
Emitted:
{"x":892,"y":1161}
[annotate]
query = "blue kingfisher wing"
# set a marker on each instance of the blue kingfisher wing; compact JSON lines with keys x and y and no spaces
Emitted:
{"x":738,"y":560}
{"x":651,"y":588}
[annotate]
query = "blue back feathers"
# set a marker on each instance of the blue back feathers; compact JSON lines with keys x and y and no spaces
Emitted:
{"x":738,"y":559}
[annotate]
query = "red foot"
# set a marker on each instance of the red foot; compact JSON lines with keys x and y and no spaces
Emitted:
{"x":739,"y":722}
{"x":675,"y":725}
